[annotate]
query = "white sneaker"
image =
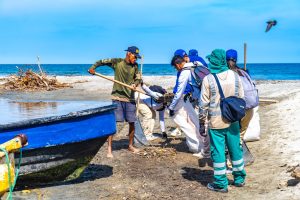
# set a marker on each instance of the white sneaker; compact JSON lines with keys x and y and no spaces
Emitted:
{"x":175,"y":133}
{"x":200,"y":155}
{"x":151,"y":137}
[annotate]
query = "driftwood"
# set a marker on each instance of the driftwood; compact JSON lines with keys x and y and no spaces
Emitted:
{"x":31,"y":81}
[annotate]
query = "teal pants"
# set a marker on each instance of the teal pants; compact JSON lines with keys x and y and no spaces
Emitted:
{"x":231,"y":138}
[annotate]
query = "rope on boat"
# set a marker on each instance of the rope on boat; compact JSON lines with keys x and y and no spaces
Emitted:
{"x":7,"y":160}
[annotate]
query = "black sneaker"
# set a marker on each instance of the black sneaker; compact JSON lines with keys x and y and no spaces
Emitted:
{"x":213,"y":187}
{"x":239,"y":184}
{"x":164,"y":135}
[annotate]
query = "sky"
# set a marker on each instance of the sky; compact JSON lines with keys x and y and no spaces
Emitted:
{"x":84,"y":31}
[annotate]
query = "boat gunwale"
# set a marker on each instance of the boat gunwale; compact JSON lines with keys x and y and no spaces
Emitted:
{"x":50,"y":120}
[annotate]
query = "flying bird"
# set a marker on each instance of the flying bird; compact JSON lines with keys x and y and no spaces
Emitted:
{"x":271,"y":23}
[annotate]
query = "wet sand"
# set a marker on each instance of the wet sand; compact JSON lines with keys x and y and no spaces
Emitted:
{"x":166,"y":170}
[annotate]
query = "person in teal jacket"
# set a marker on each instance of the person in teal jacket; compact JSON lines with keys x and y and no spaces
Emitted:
{"x":221,"y":132}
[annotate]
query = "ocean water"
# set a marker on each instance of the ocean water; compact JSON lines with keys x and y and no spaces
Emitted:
{"x":263,"y":71}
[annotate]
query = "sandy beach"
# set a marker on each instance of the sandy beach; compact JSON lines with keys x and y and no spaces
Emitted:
{"x":167,"y":170}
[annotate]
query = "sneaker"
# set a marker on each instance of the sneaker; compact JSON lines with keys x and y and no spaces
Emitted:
{"x":200,"y":155}
{"x":164,"y":135}
{"x":151,"y":137}
{"x":213,"y":187}
{"x":239,"y":184}
{"x":175,"y":133}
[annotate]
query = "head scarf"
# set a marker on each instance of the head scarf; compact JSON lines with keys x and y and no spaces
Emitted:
{"x":217,"y":61}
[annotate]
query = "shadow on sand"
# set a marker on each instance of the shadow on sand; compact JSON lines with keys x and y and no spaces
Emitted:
{"x":92,"y":172}
{"x":202,"y":176}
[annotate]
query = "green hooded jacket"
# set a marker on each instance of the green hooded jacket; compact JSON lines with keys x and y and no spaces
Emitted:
{"x":217,"y":61}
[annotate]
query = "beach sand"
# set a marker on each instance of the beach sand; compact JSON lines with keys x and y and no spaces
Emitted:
{"x":167,"y":170}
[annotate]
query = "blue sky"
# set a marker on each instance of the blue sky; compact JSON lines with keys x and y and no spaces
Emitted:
{"x":83,"y":31}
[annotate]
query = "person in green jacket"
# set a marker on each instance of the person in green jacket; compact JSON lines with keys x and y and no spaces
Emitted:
{"x":126,"y":71}
{"x":221,"y":132}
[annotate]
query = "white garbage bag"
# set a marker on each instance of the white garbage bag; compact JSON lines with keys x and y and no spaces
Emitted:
{"x":253,"y":130}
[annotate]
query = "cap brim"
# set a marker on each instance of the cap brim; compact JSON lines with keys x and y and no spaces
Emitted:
{"x":137,"y":55}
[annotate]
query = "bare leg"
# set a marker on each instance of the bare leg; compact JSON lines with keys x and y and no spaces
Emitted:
{"x":109,"y":147}
{"x":131,"y":137}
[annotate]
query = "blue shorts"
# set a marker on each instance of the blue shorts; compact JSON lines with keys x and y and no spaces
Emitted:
{"x":125,"y":111}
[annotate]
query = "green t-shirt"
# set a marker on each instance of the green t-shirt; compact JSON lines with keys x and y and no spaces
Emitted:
{"x":124,"y":72}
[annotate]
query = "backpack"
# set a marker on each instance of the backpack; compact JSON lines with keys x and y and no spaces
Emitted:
{"x":162,"y":99}
{"x":250,"y":91}
{"x":199,"y":71}
{"x":232,"y":108}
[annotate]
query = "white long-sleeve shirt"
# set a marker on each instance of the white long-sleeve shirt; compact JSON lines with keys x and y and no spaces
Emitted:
{"x":184,"y":79}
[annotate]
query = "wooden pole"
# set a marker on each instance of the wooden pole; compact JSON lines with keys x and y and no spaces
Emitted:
{"x":245,"y":56}
{"x":121,"y":83}
{"x":139,"y":94}
{"x":268,"y":101}
{"x":39,"y":65}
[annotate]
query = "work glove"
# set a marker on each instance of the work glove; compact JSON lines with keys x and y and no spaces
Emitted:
{"x":157,"y":96}
{"x":160,"y":99}
{"x":171,"y":113}
{"x":186,"y":97}
{"x":202,"y":129}
{"x":92,"y":71}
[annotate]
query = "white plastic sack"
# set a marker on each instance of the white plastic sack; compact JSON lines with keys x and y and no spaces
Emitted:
{"x":253,"y":130}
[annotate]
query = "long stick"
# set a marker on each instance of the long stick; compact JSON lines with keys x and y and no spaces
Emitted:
{"x":245,"y":56}
{"x":121,"y":83}
{"x":39,"y":65}
{"x":139,"y":94}
{"x":262,"y":100}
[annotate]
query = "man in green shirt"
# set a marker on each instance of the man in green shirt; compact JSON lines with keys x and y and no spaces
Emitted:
{"x":126,"y":71}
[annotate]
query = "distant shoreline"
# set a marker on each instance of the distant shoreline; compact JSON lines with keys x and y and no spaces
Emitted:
{"x":257,"y":71}
{"x":85,"y":76}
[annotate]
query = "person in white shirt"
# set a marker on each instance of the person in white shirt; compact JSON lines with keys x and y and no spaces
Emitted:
{"x":183,"y":112}
{"x":148,"y":107}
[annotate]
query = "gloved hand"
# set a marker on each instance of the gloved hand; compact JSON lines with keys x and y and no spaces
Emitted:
{"x":91,"y":71}
{"x":157,"y":96}
{"x":171,"y":113}
{"x":186,"y":97}
{"x":160,"y":99}
{"x":202,"y":130}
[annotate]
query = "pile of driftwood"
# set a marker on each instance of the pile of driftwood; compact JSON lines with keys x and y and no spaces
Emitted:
{"x":31,"y":81}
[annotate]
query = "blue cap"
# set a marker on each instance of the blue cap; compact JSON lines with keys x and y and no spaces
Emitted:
{"x":231,"y":54}
{"x":134,"y":50}
{"x":180,"y":52}
{"x":193,"y":52}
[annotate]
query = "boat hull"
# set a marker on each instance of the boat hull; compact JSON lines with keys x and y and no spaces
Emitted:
{"x":59,"y":146}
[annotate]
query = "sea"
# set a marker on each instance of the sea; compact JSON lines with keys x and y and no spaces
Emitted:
{"x":258,"y":71}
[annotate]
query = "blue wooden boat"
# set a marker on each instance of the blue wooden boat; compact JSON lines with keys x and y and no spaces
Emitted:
{"x":60,"y":147}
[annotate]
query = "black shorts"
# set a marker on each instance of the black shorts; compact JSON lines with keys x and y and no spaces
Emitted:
{"x":125,"y":111}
